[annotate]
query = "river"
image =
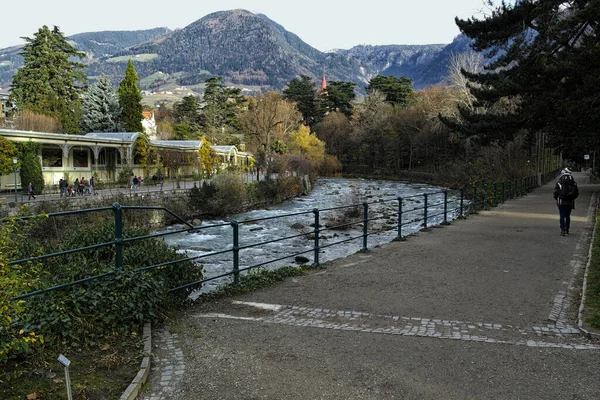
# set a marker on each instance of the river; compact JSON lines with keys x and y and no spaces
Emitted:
{"x":327,"y":193}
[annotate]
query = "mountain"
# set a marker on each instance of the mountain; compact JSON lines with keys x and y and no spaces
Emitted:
{"x":94,"y":44}
{"x":242,"y":47}
{"x":396,"y":60}
{"x":246,"y":49}
{"x":107,"y":43}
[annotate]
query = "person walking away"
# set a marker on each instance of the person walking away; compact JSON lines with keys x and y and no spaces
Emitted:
{"x":135,"y":182}
{"x":565,"y":193}
{"x":30,"y":191}
{"x":93,"y":185}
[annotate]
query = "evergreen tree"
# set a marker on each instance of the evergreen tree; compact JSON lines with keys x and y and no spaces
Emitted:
{"x":101,"y":109}
{"x":302,"y":90}
{"x":221,"y":105}
{"x":49,"y":83}
{"x":130,"y":98}
{"x":398,"y":91}
{"x":186,"y":110}
{"x":31,"y":168}
{"x":544,"y":63}
{"x":339,"y":97}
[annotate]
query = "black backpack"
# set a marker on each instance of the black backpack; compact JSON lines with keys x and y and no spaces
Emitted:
{"x":567,"y":188}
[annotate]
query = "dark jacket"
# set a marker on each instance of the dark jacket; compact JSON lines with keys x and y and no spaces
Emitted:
{"x":561,"y":200}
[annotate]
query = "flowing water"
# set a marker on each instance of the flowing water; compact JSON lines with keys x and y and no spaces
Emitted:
{"x":328,"y":193}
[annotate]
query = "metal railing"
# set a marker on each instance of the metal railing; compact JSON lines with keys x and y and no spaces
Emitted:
{"x":419,"y":211}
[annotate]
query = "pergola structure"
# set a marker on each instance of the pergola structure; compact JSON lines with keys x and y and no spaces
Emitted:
{"x":104,"y":154}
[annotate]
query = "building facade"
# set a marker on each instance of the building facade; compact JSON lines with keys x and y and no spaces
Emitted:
{"x":106,"y":154}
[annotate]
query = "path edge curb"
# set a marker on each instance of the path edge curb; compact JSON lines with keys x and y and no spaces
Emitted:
{"x":136,"y":384}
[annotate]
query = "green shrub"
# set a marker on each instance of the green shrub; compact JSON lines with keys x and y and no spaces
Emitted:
{"x":200,"y":197}
{"x":31,"y":169}
{"x":124,"y":175}
{"x":115,"y":304}
{"x":14,"y":280}
{"x":231,"y":195}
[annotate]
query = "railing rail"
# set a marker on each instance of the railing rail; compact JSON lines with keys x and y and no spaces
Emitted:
{"x":426,"y":208}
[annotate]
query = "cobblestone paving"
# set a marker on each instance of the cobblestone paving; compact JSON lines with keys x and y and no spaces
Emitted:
{"x":168,"y":365}
{"x":550,"y":335}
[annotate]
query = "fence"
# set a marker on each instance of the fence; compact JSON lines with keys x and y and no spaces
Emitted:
{"x":421,"y":211}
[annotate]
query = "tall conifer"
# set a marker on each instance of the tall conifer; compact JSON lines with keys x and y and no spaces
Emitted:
{"x":49,"y":83}
{"x":130,"y":98}
{"x":101,"y":109}
{"x":544,"y":64}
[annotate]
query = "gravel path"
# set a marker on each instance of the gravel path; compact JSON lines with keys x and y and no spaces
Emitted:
{"x":482,"y":309}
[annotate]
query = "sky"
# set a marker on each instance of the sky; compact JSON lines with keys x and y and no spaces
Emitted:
{"x":325,"y":25}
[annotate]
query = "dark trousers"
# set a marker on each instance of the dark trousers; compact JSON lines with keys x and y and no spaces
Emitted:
{"x":564,"y":211}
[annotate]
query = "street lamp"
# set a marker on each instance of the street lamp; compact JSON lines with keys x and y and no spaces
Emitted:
{"x":15,"y":161}
{"x":199,"y":169}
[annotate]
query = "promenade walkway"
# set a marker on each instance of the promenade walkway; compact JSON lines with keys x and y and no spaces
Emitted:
{"x":113,"y":189}
{"x":485,"y":308}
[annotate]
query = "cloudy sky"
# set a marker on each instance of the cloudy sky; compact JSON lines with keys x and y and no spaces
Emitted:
{"x":322,"y":24}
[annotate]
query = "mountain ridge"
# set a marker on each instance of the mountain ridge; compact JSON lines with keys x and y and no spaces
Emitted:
{"x":247,"y":50}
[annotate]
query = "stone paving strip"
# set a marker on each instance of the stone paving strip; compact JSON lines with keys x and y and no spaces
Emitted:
{"x":168,"y":365}
{"x":551,"y":335}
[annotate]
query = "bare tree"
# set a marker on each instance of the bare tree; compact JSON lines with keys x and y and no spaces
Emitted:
{"x":471,"y":62}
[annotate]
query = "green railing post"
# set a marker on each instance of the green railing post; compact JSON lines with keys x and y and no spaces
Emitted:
{"x":474,"y":199}
{"x":485,"y":193}
{"x":316,"y":232}
{"x":445,"y":207}
{"x":425,"y":211}
{"x":462,"y":202}
{"x":365,"y":224}
{"x":508,"y":191}
{"x":236,"y":252}
{"x":503,"y":192}
{"x":399,"y":217}
{"x":118,"y":236}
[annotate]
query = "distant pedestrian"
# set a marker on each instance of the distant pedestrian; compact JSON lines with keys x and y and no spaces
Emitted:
{"x":81,"y":186}
{"x":93,"y":185}
{"x":30,"y":191}
{"x":136,"y":181}
{"x":565,"y":193}
{"x":62,"y":186}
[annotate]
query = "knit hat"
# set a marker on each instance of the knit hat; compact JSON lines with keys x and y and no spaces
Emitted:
{"x":565,"y":171}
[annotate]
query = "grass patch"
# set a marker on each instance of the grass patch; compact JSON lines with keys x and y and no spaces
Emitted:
{"x":136,"y":58}
{"x":592,"y":295}
{"x":255,"y":279}
{"x":101,"y":372}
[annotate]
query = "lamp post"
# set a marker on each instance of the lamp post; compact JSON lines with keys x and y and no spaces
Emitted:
{"x":199,"y":169}
{"x":15,"y":161}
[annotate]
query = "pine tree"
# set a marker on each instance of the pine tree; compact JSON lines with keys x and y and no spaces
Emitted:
{"x":544,"y":71}
{"x":221,"y":105}
{"x":339,"y":97}
{"x":130,"y":98}
{"x":101,"y":109}
{"x":302,"y":90}
{"x":398,"y":91}
{"x":49,"y":83}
